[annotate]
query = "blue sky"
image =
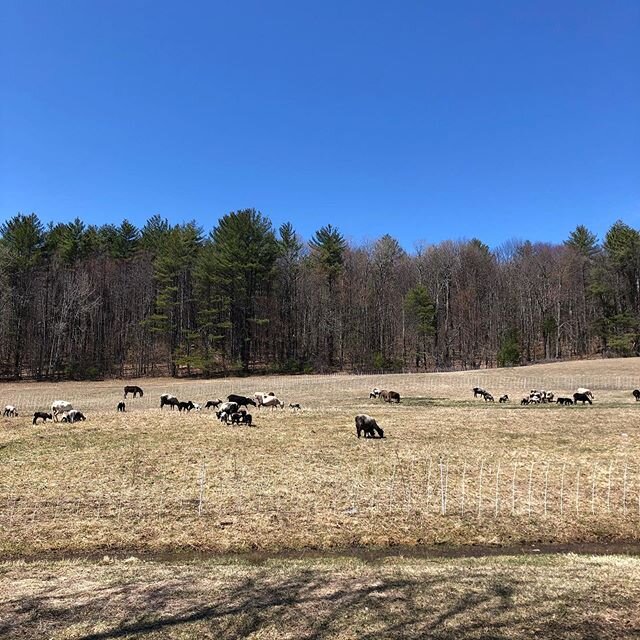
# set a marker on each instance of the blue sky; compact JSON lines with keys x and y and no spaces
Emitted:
{"x":425,"y":120}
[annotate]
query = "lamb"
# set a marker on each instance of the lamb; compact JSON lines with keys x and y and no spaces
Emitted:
{"x":374,"y":393}
{"x":223,"y":416}
{"x":212,"y":404}
{"x":185,"y":406}
{"x":295,"y":406}
{"x":10,"y":411}
{"x":41,"y":415}
{"x":564,"y":401}
{"x":488,"y":397}
{"x":241,"y":418}
{"x":73,"y":416}
{"x":121,"y":406}
{"x":636,"y":394}
{"x":504,"y":398}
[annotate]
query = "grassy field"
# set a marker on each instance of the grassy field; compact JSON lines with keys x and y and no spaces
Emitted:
{"x":507,"y":597}
{"x":451,"y":470}
{"x":178,"y":491}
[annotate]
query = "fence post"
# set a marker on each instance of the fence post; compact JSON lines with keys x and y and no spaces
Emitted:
{"x":464,"y":471}
{"x":429,"y":484}
{"x":480,"y":487}
{"x":593,"y":489}
{"x":564,"y":466}
{"x":609,"y":487}
{"x":530,"y":485}
{"x":497,"y":504}
{"x":624,"y":491}
{"x":546,"y":485}
{"x":203,"y":475}
{"x":513,"y":488}
{"x":442,"y":507}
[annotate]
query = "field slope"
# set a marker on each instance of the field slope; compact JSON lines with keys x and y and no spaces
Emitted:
{"x":451,"y":470}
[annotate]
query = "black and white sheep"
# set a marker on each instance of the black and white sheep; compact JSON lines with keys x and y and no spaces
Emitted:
{"x":10,"y":411}
{"x":41,"y":415}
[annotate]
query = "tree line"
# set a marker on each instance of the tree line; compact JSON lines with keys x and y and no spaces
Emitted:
{"x":83,"y":301}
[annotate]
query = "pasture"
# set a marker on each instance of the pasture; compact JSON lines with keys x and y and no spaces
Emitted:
{"x":452,"y":470}
{"x":150,"y":523}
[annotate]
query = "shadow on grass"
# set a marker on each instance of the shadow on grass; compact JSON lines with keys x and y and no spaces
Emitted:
{"x":306,"y":605}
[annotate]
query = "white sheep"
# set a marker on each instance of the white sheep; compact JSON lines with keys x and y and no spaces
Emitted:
{"x":58,"y":407}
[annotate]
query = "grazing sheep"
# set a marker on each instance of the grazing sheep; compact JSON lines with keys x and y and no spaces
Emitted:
{"x":478,"y":391}
{"x":10,"y":411}
{"x":212,"y":404}
{"x":241,"y":418}
{"x":241,"y":401}
{"x":137,"y":391}
{"x":564,"y":401}
{"x":185,"y":406}
{"x":73,"y":416}
{"x":581,"y":397}
{"x":121,"y":406}
{"x":367,"y":425}
{"x":58,"y":407}
{"x":636,"y":394}
{"x":504,"y":398}
{"x":389,"y":396}
{"x":228,"y":407}
{"x":42,"y":416}
{"x":295,"y":406}
{"x":167,"y":398}
{"x":272,"y":401}
{"x":488,"y":397}
{"x":259,"y":396}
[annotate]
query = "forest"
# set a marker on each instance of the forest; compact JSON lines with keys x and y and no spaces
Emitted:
{"x":82,"y":301}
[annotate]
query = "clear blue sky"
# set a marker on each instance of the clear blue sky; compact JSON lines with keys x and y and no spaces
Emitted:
{"x":426,"y":120}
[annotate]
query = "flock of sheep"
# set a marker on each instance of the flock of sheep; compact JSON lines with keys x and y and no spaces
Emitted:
{"x":235,"y":409}
{"x":543,"y":397}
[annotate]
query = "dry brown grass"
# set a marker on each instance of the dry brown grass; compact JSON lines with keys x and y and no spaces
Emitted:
{"x":131,"y":481}
{"x":502,"y":597}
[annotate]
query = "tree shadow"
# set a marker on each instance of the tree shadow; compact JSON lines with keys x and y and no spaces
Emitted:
{"x":309,"y":604}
